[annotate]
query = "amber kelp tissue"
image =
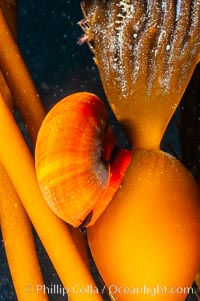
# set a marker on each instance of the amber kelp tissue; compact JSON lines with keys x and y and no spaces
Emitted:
{"x":149,"y":236}
{"x":148,"y":51}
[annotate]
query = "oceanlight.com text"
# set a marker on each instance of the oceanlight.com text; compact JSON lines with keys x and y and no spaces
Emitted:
{"x":148,"y":290}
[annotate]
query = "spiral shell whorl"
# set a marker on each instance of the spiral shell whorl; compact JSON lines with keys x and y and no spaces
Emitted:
{"x":71,"y":172}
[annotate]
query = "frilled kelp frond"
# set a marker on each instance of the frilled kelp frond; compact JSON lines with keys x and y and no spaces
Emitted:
{"x":144,"y":50}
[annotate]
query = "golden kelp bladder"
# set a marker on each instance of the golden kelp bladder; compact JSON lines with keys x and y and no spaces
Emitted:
{"x":146,"y":52}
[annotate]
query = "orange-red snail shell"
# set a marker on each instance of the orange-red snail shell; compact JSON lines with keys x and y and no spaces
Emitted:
{"x":72,"y":159}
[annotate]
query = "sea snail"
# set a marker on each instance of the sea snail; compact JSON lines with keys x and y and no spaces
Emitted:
{"x":72,"y":155}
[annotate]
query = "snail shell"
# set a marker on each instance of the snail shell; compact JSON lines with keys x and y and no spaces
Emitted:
{"x":73,"y":146}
